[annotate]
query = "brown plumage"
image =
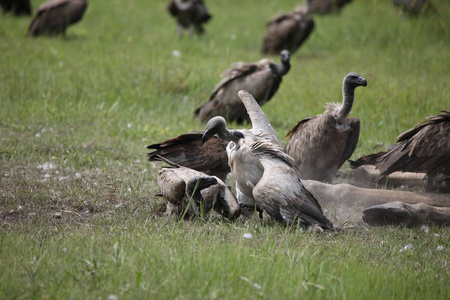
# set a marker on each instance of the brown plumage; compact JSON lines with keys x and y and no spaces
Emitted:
{"x":265,"y":175}
{"x":261,"y":79}
{"x":287,"y":31}
{"x":322,"y":7}
{"x":187,"y":191}
{"x":424,"y":148}
{"x":414,"y":7}
{"x":54,"y":16}
{"x":190,"y":14}
{"x":17,"y":7}
{"x":188,"y":150}
{"x":321,"y":144}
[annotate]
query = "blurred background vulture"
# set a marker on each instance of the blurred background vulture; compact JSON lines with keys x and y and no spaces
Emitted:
{"x":54,"y":16}
{"x":414,"y":7}
{"x":16,"y":7}
{"x":424,"y":148}
{"x":323,"y":7}
{"x":261,"y":79}
{"x":190,"y":14}
{"x":287,"y":31}
{"x":321,"y":144}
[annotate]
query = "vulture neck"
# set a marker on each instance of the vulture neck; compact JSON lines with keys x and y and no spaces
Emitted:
{"x":348,"y":94}
{"x":283,"y":69}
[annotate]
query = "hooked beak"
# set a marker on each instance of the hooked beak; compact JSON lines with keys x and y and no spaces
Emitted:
{"x":362,"y":81}
{"x":206,"y":136}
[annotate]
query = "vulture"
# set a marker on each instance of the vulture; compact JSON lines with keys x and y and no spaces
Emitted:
{"x":54,"y":16}
{"x":287,"y":31}
{"x":323,"y":7}
{"x":265,"y":175}
{"x":262,"y":79}
{"x":321,"y":144}
{"x":414,"y":7}
{"x":424,"y":148}
{"x":192,"y":193}
{"x":188,"y":150}
{"x":190,"y":14}
{"x":17,"y":7}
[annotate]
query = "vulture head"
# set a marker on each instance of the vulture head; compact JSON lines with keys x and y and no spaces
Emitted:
{"x":218,"y":125}
{"x":285,"y":56}
{"x":353,"y":80}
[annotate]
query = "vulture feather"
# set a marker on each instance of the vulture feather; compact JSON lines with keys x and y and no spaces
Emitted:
{"x":54,"y":16}
{"x":187,"y":189}
{"x":265,"y":175}
{"x":190,"y":14}
{"x":424,"y":148}
{"x":321,"y":144}
{"x":188,"y":150}
{"x":287,"y":31}
{"x":262,"y":79}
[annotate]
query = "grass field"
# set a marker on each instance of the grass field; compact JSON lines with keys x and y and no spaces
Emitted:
{"x":78,"y":219}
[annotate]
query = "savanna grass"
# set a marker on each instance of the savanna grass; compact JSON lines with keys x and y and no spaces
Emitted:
{"x":78,"y":215}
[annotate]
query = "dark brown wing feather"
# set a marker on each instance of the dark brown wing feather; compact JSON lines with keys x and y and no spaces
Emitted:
{"x":188,"y":151}
{"x":424,"y":148}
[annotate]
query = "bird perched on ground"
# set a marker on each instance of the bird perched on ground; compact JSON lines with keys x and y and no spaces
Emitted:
{"x":424,"y":148}
{"x":188,"y":150}
{"x":323,"y":7}
{"x":17,"y":7}
{"x":191,"y":192}
{"x":321,"y":144}
{"x":190,"y":14}
{"x":262,"y":79}
{"x":265,"y":175}
{"x":414,"y":7}
{"x":54,"y":16}
{"x":287,"y":31}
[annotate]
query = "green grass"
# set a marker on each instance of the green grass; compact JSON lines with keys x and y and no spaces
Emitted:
{"x":77,"y":213}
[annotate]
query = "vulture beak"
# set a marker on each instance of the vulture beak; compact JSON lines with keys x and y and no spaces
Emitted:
{"x":206,"y":136}
{"x":362,"y":81}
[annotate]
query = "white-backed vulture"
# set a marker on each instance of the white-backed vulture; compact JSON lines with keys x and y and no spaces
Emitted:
{"x":185,"y":188}
{"x":190,"y":14}
{"x":287,"y":31}
{"x":321,"y":144}
{"x":424,"y":148}
{"x":16,"y":7}
{"x":323,"y":7}
{"x":265,"y":175}
{"x":262,"y":79}
{"x":188,"y":151}
{"x":54,"y":16}
{"x":414,"y":7}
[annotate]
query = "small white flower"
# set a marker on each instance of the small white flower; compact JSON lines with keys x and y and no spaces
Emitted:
{"x":176,"y":53}
{"x":138,"y":161}
{"x":129,"y":125}
{"x":20,"y":207}
{"x":425,"y":228}
{"x":37,"y":135}
{"x":112,"y":297}
{"x":77,"y":175}
{"x":247,"y":235}
{"x":440,"y":248}
{"x":407,"y":247}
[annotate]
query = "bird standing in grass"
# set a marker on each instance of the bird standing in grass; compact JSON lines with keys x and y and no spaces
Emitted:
{"x":190,"y":14}
{"x":321,"y":144}
{"x":261,"y":79}
{"x":53,"y":17}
